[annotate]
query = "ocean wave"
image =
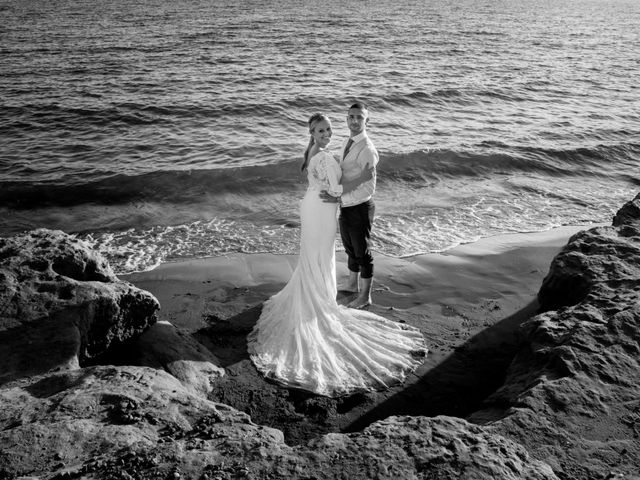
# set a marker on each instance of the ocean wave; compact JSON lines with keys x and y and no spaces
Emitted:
{"x":15,"y":118}
{"x":162,"y":186}
{"x":140,"y":249}
{"x":497,"y":158}
{"x":461,"y":96}
{"x":412,"y":169}
{"x":75,"y":118}
{"x":424,"y":222}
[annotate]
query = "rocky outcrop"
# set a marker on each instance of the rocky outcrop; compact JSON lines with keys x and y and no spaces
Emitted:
{"x":575,"y":388}
{"x":61,"y":305}
{"x":628,"y":215}
{"x":592,"y":265}
{"x":164,"y":346}
{"x":137,"y":422}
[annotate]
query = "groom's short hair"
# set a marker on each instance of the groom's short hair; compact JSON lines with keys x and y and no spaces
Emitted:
{"x":360,"y":105}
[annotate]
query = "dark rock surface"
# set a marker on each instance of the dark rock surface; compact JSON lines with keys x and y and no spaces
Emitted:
{"x":572,"y":395}
{"x":138,"y":422}
{"x":61,"y":305}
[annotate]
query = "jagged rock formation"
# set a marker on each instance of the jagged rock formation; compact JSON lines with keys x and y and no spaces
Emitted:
{"x":137,"y":422}
{"x":61,"y":305}
{"x":572,"y":396}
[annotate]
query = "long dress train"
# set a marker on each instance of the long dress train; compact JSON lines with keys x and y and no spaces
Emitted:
{"x":304,"y":339}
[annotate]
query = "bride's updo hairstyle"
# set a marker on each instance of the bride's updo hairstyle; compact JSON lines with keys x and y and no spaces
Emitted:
{"x":313,"y":121}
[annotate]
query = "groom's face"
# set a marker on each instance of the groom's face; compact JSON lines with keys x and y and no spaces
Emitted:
{"x":357,"y":119}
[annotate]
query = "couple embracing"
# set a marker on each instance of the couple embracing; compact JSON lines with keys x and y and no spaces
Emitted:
{"x":304,"y":338}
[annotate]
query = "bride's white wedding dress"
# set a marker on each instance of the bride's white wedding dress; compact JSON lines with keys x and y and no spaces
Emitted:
{"x":303,"y":338}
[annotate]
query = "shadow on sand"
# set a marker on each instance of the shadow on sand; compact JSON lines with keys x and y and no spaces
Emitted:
{"x":462,"y":380}
{"x":454,"y":383}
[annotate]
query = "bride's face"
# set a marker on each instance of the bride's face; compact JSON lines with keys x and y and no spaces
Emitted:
{"x":322,"y":133}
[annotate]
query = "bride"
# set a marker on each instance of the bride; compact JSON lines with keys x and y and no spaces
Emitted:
{"x":303,"y":338}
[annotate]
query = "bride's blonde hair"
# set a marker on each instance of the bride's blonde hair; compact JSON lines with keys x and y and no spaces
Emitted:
{"x":313,"y":121}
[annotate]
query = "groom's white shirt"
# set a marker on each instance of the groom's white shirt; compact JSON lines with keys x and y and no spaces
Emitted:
{"x":361,"y":154}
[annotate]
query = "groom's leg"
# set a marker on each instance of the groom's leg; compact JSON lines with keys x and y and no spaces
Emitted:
{"x":348,"y":217}
{"x":353,"y":282}
{"x":361,"y":243}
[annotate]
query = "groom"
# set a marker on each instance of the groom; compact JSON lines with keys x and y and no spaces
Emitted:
{"x":357,"y":209}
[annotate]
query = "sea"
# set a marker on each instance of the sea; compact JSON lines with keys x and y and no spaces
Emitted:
{"x":162,"y":130}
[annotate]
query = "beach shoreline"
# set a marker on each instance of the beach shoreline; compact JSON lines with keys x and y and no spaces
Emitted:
{"x":468,"y":302}
{"x":498,"y":267}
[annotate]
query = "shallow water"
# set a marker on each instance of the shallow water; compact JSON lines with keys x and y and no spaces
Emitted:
{"x":161,"y":130}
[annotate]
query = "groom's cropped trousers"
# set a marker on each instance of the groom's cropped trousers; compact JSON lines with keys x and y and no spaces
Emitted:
{"x":355,"y":230}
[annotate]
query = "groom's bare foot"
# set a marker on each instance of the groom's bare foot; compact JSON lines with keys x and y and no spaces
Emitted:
{"x":361,"y":301}
{"x":364,"y":298}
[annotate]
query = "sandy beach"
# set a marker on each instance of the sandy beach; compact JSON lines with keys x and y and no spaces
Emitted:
{"x":468,"y":302}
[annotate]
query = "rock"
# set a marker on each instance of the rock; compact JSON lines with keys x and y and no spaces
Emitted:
{"x":426,"y":447}
{"x":164,"y":346}
{"x":107,"y":421}
{"x":599,"y":256}
{"x":572,"y":395}
{"x":91,"y":418}
{"x":629,"y":214}
{"x":61,"y":305}
{"x":592,"y":260}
